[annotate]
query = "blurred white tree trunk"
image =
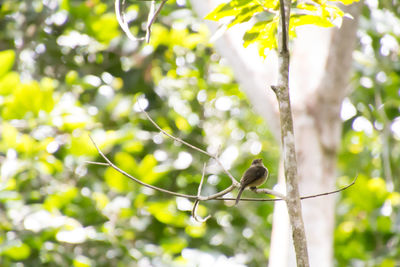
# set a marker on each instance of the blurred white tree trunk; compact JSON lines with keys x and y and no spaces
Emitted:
{"x":320,"y":68}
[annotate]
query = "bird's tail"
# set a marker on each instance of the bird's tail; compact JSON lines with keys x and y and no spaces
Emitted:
{"x":238,"y":196}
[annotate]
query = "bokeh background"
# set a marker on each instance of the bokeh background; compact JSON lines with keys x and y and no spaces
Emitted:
{"x":67,"y":71}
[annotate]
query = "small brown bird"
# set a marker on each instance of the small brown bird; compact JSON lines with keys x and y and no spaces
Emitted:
{"x":255,"y":176}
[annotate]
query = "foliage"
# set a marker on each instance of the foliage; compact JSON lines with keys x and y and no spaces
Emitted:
{"x":266,"y":13}
{"x":367,"y":215}
{"x":68,"y":71}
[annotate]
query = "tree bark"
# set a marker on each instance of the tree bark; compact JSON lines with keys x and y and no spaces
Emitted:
{"x":320,"y":86}
{"x":293,"y":201}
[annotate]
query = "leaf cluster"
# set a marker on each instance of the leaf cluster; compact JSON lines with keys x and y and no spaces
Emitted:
{"x":264,"y":15}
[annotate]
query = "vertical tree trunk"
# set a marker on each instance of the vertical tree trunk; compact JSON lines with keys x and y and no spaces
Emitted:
{"x":293,"y":201}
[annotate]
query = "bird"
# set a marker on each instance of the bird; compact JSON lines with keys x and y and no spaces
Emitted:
{"x":254,"y":176}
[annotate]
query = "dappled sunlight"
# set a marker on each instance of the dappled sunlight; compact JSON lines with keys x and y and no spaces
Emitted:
{"x":69,"y":76}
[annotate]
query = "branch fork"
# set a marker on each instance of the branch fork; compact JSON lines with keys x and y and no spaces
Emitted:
{"x":197,"y":198}
{"x":123,"y":23}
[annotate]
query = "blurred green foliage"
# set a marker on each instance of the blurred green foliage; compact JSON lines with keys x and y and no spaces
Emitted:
{"x":368,"y":220}
{"x":68,"y":71}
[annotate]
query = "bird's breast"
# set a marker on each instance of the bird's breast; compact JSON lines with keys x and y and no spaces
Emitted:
{"x":258,"y":182}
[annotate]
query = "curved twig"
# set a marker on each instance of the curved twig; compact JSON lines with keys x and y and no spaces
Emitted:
{"x":123,"y":23}
{"x":112,"y":165}
{"x":152,"y":17}
{"x":332,"y":192}
{"x":196,"y":203}
{"x":120,"y":14}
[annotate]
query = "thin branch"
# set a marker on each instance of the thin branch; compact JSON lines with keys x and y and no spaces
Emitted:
{"x":175,"y":138}
{"x":275,"y":89}
{"x":123,"y":23}
{"x":137,"y":180}
{"x":274,"y":193}
{"x":196,"y":203}
{"x":236,"y":183}
{"x":332,"y":192}
{"x":284,"y":28}
{"x":152,"y":17}
{"x":217,"y":196}
{"x":149,"y":22}
{"x":283,"y":197}
{"x":112,"y":165}
{"x":269,"y":192}
{"x":96,"y":163}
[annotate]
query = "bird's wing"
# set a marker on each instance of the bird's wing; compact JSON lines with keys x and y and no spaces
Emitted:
{"x":252,"y":174}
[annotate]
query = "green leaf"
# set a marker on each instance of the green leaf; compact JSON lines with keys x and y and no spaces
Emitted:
{"x":17,"y":251}
{"x":126,"y":162}
{"x":173,"y":245}
{"x":30,"y":97}
{"x":196,"y":231}
{"x":369,"y":194}
{"x":105,"y":28}
{"x":71,"y":77}
{"x":394,"y":198}
{"x":100,"y":199}
{"x":331,"y":11}
{"x":118,"y":181}
{"x":81,"y":261}
{"x":264,"y":34}
{"x":236,"y":9}
{"x":146,"y":170}
{"x":167,"y":213}
{"x":245,"y":14}
{"x":182,"y":124}
{"x":299,"y":20}
{"x":321,"y":14}
{"x":76,"y":8}
{"x":347,"y":2}
{"x":61,"y":198}
{"x":9,"y":136}
{"x":354,"y":249}
{"x":388,"y":263}
{"x":7,"y":58}
{"x":377,"y":187}
{"x":269,"y":4}
{"x":133,"y":146}
{"x":81,"y":145}
{"x":344,"y":231}
{"x":308,"y":7}
{"x":9,"y":82}
{"x":384,"y":224}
